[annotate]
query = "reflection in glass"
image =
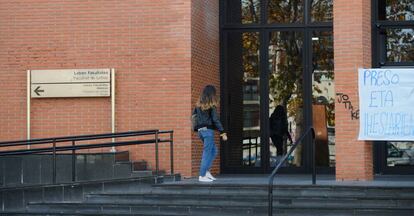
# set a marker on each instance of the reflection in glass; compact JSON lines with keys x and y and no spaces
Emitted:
{"x":243,"y":145}
{"x":250,"y":11}
{"x":286,"y":88}
{"x":396,"y":10}
{"x":321,"y":10}
{"x":400,"y":45}
{"x":285,"y":11}
{"x":323,"y":97}
{"x":251,"y":99}
{"x":243,"y":11}
{"x":400,"y":154}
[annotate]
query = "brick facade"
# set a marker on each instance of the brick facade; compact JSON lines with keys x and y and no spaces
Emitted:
{"x":352,"y":45}
{"x":151,"y":47}
{"x":205,"y":61}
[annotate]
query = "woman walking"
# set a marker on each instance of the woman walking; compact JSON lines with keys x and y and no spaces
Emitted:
{"x":279,"y":129}
{"x":207,"y":121}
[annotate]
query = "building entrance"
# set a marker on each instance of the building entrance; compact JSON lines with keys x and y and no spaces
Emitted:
{"x":277,"y":80}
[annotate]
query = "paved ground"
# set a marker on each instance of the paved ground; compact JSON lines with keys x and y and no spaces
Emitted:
{"x":256,"y":179}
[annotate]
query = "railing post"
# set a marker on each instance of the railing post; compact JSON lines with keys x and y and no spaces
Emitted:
{"x":172,"y":153}
{"x":313,"y":157}
{"x":250,"y":151}
{"x":156,"y":154}
{"x":73,"y":162}
{"x":255,"y":146}
{"x":54,"y":161}
{"x":270,"y":204}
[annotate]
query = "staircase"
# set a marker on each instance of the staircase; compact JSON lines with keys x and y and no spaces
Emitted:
{"x":193,"y":198}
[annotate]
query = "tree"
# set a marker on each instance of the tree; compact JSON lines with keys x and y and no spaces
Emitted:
{"x":250,"y":10}
{"x":399,"y":41}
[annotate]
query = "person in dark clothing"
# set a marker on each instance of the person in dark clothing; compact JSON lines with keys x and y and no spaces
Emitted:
{"x":207,"y":121}
{"x":279,"y":128}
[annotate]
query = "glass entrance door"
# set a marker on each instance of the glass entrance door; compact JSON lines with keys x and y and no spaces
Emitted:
{"x":289,"y":109}
{"x":267,"y":70}
{"x":277,"y":80}
{"x":286,"y":119}
{"x":323,"y":98}
{"x":243,"y":150}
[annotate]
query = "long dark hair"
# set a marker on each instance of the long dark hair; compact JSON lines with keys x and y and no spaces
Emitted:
{"x":208,"y":98}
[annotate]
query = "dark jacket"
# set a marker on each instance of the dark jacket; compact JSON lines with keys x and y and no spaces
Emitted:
{"x":278,"y":125}
{"x":208,"y":118}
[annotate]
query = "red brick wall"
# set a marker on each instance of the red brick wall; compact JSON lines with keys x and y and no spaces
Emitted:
{"x":147,"y":42}
{"x":205,"y":59}
{"x":352,"y":45}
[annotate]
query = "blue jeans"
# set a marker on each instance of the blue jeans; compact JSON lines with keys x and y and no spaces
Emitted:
{"x":209,"y":150}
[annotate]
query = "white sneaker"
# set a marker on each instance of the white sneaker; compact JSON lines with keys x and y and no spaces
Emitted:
{"x":204,"y":179}
{"x":208,"y":175}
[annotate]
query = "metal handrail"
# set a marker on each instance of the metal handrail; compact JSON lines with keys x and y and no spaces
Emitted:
{"x":76,"y":138}
{"x":282,"y":161}
{"x":54,"y":148}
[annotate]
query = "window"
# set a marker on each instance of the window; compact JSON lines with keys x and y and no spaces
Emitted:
{"x":321,"y":10}
{"x":393,"y":30}
{"x":243,"y":11}
{"x":396,"y":10}
{"x":285,"y":11}
{"x":393,"y":46}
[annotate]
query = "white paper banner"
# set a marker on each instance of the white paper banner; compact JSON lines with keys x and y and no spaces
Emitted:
{"x":386,"y":101}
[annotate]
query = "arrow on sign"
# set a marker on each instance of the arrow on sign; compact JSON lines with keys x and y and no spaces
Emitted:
{"x":37,"y":90}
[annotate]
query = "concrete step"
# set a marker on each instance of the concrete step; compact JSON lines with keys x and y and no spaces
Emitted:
{"x":122,"y":169}
{"x":286,"y":190}
{"x":143,"y":173}
{"x":140,"y":165}
{"x":81,"y":208}
{"x":201,"y":210}
{"x":252,"y":200}
{"x":16,"y":198}
{"x":44,"y":213}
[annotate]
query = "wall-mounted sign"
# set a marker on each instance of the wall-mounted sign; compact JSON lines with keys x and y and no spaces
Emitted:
{"x":70,"y":83}
{"x":386,"y":99}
